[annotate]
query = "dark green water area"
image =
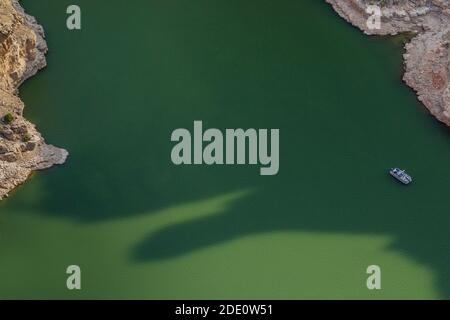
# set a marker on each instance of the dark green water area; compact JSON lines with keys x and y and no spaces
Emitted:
{"x":141,"y":227}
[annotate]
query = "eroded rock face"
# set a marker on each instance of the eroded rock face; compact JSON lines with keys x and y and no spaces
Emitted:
{"x":22,"y":54}
{"x":427,"y":57}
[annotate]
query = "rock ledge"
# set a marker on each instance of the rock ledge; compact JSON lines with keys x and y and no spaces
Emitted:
{"x":22,"y":54}
{"x":427,"y":57}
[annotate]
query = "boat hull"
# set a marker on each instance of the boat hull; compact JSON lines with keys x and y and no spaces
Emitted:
{"x":401,"y":175}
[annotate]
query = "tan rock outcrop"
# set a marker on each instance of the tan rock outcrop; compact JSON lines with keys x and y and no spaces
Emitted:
{"x":22,"y":54}
{"x":427,"y":56}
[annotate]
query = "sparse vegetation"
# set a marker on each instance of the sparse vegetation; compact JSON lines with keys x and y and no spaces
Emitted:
{"x":26,"y":137}
{"x":8,"y":118}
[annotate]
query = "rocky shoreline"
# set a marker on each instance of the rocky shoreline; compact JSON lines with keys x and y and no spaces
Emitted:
{"x":427,"y":56}
{"x":22,"y":54}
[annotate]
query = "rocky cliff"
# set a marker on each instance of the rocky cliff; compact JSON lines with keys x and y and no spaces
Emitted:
{"x":427,"y":56}
{"x":22,"y":54}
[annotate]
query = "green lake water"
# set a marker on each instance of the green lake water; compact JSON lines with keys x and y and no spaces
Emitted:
{"x":139,"y":227}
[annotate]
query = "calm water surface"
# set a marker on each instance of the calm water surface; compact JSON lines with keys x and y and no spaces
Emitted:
{"x":141,"y":228}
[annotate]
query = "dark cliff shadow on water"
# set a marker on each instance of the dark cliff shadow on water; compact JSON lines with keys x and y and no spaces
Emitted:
{"x":335,"y":95}
{"x":419,"y":231}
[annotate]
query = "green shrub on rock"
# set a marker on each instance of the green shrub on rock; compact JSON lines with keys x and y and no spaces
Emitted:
{"x":8,"y":118}
{"x":26,"y":137}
